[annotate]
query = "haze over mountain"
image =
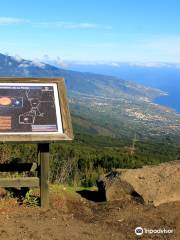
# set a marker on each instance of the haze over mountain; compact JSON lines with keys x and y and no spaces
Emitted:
{"x":104,"y":105}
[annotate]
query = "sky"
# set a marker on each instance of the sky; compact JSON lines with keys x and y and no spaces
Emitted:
{"x":91,"y":30}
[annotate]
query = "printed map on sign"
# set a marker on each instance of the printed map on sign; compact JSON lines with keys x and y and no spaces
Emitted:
{"x":30,"y":108}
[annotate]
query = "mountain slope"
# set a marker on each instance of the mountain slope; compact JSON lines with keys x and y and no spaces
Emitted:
{"x":77,"y":82}
{"x":164,"y":76}
{"x":104,"y":105}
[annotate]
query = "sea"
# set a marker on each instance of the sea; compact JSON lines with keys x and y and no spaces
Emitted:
{"x":172,"y":100}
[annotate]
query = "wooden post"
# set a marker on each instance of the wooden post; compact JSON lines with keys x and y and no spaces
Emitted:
{"x":43,"y":152}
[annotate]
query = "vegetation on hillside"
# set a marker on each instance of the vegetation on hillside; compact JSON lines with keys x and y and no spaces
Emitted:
{"x":81,"y":162}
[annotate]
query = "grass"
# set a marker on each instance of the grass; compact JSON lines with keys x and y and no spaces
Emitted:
{"x":69,"y":189}
{"x":63,"y":191}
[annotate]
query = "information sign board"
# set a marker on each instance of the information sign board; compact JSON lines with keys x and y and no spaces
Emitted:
{"x":34,"y":110}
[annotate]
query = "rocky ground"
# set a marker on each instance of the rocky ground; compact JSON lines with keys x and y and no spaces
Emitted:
{"x":155,"y":184}
{"x":71,"y":216}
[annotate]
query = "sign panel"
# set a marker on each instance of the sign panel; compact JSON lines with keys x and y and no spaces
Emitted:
{"x":29,"y":108}
{"x":33,"y":109}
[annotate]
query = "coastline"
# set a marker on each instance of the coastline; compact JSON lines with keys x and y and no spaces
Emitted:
{"x":169,"y":102}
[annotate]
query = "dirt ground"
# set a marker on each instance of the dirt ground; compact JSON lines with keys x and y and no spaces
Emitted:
{"x":73,"y":217}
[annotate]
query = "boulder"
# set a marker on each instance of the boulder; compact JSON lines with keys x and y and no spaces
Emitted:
{"x":3,"y":193}
{"x":150,"y":184}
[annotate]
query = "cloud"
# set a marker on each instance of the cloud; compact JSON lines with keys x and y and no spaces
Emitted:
{"x":60,"y":63}
{"x":27,"y":64}
{"x":23,"y":65}
{"x":70,"y":25}
{"x":37,"y":63}
{"x":119,"y":64}
{"x":114,"y":64}
{"x":148,"y":64}
{"x":53,"y":24}
{"x":11,"y":20}
{"x":17,"y":58}
{"x":57,"y":62}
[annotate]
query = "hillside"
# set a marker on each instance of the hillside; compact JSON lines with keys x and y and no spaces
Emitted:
{"x":77,"y":82}
{"x":164,"y":76}
{"x":112,"y":106}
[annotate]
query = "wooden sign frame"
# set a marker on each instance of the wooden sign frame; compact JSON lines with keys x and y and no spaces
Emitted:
{"x":64,"y":108}
{"x":42,"y":139}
